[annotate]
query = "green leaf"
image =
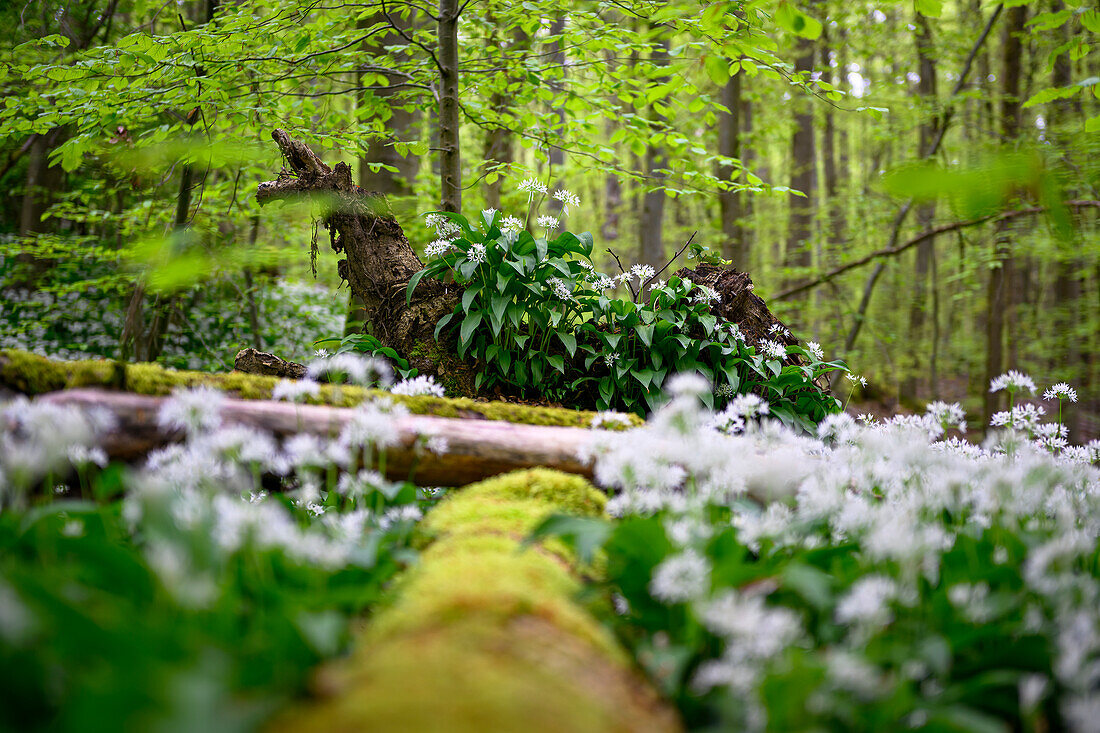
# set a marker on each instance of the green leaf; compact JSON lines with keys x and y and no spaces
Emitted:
{"x":443,"y":322}
{"x":557,"y":361}
{"x":569,"y":340}
{"x":468,"y":298}
{"x":584,"y":534}
{"x":790,"y":18}
{"x":717,"y":69}
{"x":1092,"y":124}
{"x":1090,"y":19}
{"x":500,"y":303}
{"x":1049,"y":95}
{"x":469,"y":323}
{"x":413,"y":282}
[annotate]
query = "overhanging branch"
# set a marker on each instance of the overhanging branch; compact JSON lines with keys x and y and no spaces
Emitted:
{"x":922,"y":237}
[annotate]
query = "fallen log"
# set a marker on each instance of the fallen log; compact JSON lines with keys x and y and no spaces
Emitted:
{"x":475,"y":449}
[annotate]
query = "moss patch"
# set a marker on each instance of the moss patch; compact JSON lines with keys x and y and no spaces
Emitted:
{"x":485,"y":635}
{"x":33,"y":374}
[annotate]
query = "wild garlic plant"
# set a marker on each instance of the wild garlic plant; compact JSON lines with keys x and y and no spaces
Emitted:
{"x":542,"y":321}
{"x":871,"y":577}
{"x":230,"y":558}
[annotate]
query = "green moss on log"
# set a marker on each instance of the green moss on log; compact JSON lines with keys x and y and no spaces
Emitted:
{"x":32,"y":374}
{"x":482,"y":635}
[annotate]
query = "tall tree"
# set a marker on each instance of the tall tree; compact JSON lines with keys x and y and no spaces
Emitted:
{"x":450,"y":158}
{"x":997,"y":296}
{"x":734,"y":246}
{"x":803,"y":170}
{"x":926,"y":212}
{"x":651,"y":222}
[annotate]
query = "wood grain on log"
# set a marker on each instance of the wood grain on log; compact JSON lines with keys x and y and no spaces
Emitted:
{"x":476,"y":449}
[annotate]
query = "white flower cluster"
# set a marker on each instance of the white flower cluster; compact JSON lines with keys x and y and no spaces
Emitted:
{"x":365,"y":371}
{"x":422,"y":385}
{"x":1012,"y":380}
{"x":561,"y":288}
{"x":194,"y":502}
{"x":531,"y":186}
{"x":39,"y":439}
{"x":895,"y":491}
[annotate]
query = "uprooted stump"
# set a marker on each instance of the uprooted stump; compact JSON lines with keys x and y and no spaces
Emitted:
{"x":379,"y":262}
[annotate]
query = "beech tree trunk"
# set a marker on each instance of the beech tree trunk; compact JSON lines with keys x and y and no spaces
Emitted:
{"x":730,"y":202}
{"x":450,"y":159}
{"x":997,"y":295}
{"x":799,"y":256}
{"x":651,"y":223}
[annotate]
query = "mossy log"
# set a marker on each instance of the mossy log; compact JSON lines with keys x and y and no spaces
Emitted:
{"x":482,"y":636}
{"x":379,"y":262}
{"x":31,"y":374}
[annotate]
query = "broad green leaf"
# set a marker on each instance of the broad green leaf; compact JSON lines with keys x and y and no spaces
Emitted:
{"x":469,"y":324}
{"x":790,"y":18}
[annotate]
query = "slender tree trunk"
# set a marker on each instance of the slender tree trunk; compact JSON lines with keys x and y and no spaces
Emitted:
{"x":925,"y":213}
{"x":652,"y":249}
{"x":1067,"y":283}
{"x":799,"y":255}
{"x":450,"y":159}
{"x":997,"y":295}
{"x":729,"y":145}
{"x":556,"y":156}
{"x":748,"y":162}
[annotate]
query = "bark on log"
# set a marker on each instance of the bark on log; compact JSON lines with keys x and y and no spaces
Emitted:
{"x":252,"y":361}
{"x":476,"y":449}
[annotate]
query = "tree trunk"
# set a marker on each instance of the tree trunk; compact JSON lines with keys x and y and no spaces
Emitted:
{"x":378,"y":264}
{"x":799,"y":256}
{"x":651,"y":222}
{"x":450,"y":159}
{"x":400,"y":125}
{"x":556,"y":156}
{"x":926,"y":212}
{"x":997,"y":296}
{"x":734,"y":247}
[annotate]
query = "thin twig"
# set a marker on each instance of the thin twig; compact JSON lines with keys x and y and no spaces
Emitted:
{"x":633,"y":295}
{"x":667,"y":264}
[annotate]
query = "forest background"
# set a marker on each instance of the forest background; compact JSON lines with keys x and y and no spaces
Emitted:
{"x":912,"y":184}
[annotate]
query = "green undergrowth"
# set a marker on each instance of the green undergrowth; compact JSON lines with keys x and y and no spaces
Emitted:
{"x":32,"y":374}
{"x":484,"y":634}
